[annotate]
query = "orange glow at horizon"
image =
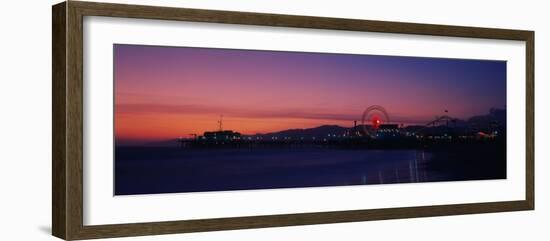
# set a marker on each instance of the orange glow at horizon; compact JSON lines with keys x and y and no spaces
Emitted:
{"x":170,"y":126}
{"x":163,"y":93}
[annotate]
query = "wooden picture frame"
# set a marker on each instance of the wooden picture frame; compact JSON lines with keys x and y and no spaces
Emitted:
{"x":67,"y":159}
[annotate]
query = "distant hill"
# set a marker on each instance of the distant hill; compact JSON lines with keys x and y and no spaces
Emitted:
{"x":318,"y":132}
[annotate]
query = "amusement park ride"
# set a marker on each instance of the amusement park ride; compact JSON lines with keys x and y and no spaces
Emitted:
{"x":375,"y":126}
{"x":374,"y":116}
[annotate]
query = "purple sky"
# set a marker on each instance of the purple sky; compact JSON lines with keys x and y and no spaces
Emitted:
{"x":165,"y":92}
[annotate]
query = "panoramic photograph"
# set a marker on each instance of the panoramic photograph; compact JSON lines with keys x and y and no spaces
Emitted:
{"x":189,"y":119}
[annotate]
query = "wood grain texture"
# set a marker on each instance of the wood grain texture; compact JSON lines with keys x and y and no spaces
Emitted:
{"x":74,"y":121}
{"x":58,"y":121}
{"x":155,"y":228}
{"x":530,"y":120}
{"x":280,"y":20}
{"x":67,"y":198}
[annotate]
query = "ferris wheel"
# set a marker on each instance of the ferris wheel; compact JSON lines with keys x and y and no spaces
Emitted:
{"x":374,"y":115}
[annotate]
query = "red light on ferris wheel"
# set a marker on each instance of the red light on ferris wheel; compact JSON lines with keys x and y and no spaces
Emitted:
{"x":376,"y":122}
{"x":374,"y":116}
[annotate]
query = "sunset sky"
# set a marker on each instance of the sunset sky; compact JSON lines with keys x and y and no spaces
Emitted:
{"x":166,"y":92}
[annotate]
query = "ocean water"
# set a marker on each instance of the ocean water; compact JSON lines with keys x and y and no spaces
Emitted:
{"x":148,"y":170}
